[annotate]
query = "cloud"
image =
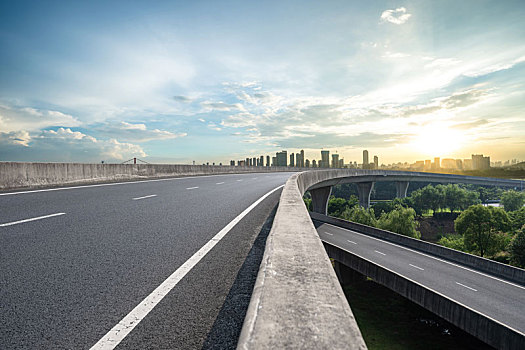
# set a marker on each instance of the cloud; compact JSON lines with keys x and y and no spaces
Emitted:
{"x":14,"y":118}
{"x":470,"y":125}
{"x":397,"y":16}
{"x":135,"y":132}
{"x":64,"y":145}
{"x":182,"y":99}
{"x":221,"y":106}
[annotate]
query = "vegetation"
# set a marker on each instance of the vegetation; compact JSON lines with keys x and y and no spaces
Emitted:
{"x":512,"y":200}
{"x":360,"y":215}
{"x":483,"y":229}
{"x":453,"y":241}
{"x":517,"y":248}
{"x":400,"y":220}
{"x":436,"y":198}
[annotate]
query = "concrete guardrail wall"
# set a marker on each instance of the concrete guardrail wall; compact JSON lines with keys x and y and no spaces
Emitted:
{"x":20,"y":175}
{"x":297,"y":301}
{"x":495,"y":268}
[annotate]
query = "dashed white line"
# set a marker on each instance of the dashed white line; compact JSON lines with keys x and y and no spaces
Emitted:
{"x":378,"y":252}
{"x":219,"y":183}
{"x":192,"y":188}
{"x":351,"y":242}
{"x":328,"y":233}
{"x":254,"y":178}
{"x":131,"y":320}
{"x":32,"y":219}
{"x":475,"y":290}
{"x":239,"y":180}
{"x":150,"y":196}
{"x":417,"y":267}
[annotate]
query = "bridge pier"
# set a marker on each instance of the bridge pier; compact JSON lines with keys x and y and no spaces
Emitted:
{"x":363,"y":190}
{"x":401,"y":189}
{"x":320,"y":197}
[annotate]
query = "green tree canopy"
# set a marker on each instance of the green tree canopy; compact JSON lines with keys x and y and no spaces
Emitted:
{"x":360,"y":215}
{"x":517,"y":248}
{"x":400,"y":220}
{"x":482,"y":227}
{"x":512,"y":200}
{"x":517,"y":219}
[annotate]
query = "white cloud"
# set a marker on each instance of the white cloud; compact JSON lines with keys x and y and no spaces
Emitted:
{"x":221,"y":106}
{"x":135,"y":132}
{"x":19,"y":138}
{"x":13,"y":118}
{"x":397,"y":16}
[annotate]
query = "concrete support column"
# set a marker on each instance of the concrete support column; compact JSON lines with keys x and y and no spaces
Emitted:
{"x":401,"y":189}
{"x":364,"y":189}
{"x":320,"y":198}
{"x":347,"y":275}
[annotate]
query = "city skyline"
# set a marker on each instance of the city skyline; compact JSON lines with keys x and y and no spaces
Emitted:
{"x":177,"y":82}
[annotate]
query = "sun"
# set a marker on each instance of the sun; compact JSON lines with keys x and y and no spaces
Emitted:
{"x":436,"y":141}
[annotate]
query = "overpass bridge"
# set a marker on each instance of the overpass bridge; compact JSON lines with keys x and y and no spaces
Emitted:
{"x":158,"y":262}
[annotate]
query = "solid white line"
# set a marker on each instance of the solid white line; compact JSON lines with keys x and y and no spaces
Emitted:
{"x":475,"y":290}
{"x":192,"y":188}
{"x":219,"y":183}
{"x":151,"y":195}
{"x":379,"y":252}
{"x":417,"y":267}
{"x":32,"y":219}
{"x":328,"y":233}
{"x":351,"y":242}
{"x":117,"y":183}
{"x":128,"y":323}
{"x":433,"y":290}
{"x":429,"y":256}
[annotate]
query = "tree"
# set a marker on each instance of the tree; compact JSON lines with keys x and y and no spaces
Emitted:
{"x":517,"y":219}
{"x":512,"y":200}
{"x":482,"y":229}
{"x":453,"y":241}
{"x":336,"y":206}
{"x":360,"y":215}
{"x":517,"y":248}
{"x":458,"y":198}
{"x":400,"y":220}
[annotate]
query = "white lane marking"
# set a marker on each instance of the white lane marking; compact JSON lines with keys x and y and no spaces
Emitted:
{"x":219,"y":183}
{"x":433,"y":290}
{"x":254,"y":178}
{"x":138,"y":198}
{"x":32,"y":219}
{"x":239,"y":180}
{"x":192,"y":188}
{"x":417,"y":267}
{"x":475,"y":290}
{"x":131,"y":320}
{"x":328,"y":233}
{"x":430,"y":256}
{"x":378,"y":252}
{"x":120,"y":183}
{"x":351,"y":242}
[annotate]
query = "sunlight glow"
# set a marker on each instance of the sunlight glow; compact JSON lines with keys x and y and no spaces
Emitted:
{"x":436,"y":140}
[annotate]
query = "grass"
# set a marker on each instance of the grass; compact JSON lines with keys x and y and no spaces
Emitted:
{"x":389,"y":321}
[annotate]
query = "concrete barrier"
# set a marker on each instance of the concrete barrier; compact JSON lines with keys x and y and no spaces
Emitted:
{"x":297,"y":301}
{"x":480,"y":326}
{"x":20,"y":175}
{"x":495,"y":268}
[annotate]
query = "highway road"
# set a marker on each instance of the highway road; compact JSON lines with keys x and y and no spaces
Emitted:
{"x":134,"y":265}
{"x":496,"y":298}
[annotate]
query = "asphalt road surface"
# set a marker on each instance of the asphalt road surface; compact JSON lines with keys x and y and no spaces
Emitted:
{"x":496,"y":298}
{"x":74,"y":262}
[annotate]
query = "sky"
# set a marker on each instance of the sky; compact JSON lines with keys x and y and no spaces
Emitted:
{"x":210,"y":81}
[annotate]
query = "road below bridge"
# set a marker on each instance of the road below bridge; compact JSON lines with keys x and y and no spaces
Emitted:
{"x":76,"y":261}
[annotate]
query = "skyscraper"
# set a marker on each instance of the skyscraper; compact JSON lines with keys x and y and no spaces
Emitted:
{"x":325,"y":159}
{"x":302,"y":165}
{"x":365,"y":159}
{"x":376,"y":162}
{"x":335,"y":160}
{"x":282,"y":158}
{"x":292,"y":163}
{"x":268,"y":161}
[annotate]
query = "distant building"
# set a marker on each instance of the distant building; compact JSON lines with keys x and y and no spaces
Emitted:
{"x":307,"y":163}
{"x":365,"y":159}
{"x":314,"y":164}
{"x":302,"y":163}
{"x":376,"y":162}
{"x":335,"y":160}
{"x":448,"y":163}
{"x":298,"y":159}
{"x":261,"y":161}
{"x":479,"y":162}
{"x":459,"y":164}
{"x":282,"y":158}
{"x":268,"y":161}
{"x":292,"y":162}
{"x":437,"y":164}
{"x":341,"y":163}
{"x":325,"y":159}
{"x":428,"y":164}
{"x":467,"y":164}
